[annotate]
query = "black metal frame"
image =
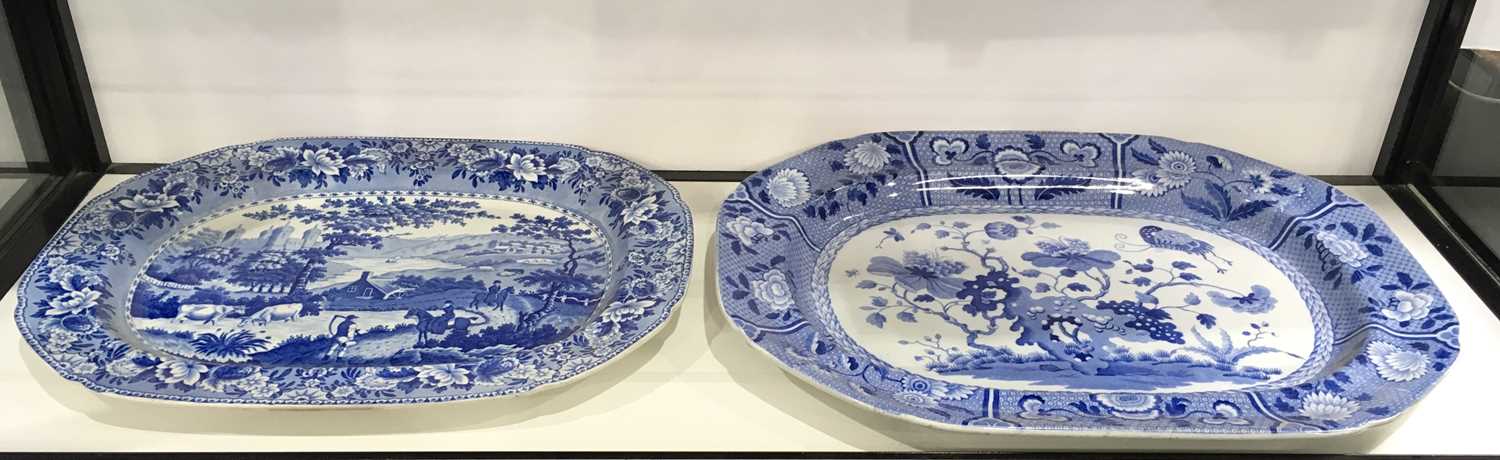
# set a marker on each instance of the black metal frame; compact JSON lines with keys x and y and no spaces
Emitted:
{"x":73,"y":154}
{"x":1418,"y":128}
{"x":75,"y":157}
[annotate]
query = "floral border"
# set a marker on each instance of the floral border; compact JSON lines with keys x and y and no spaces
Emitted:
{"x":64,"y":294}
{"x":1393,"y":335}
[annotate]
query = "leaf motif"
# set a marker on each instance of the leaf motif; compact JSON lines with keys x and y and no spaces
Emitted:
{"x":977,"y":187}
{"x":1220,"y":196}
{"x":1249,"y":210}
{"x":1156,"y":146}
{"x":1053,"y":187}
{"x":876,"y":319}
{"x":1144,"y":157}
{"x":1202,"y":206}
{"x":1350,"y":228}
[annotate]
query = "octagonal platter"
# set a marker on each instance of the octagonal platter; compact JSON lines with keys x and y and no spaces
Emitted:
{"x":359,"y":271}
{"x":1072,"y":282}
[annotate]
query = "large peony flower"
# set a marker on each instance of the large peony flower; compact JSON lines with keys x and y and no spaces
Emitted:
{"x":866,"y":158}
{"x":125,"y":367}
{"x":73,"y":302}
{"x":148,"y":202}
{"x":443,"y":375}
{"x":179,"y":371}
{"x":527,"y":167}
{"x":73,"y":278}
{"x":373,"y":381}
{"x":1395,"y":363}
{"x":747,"y":230}
{"x":367,"y":159}
{"x":532,"y":372}
{"x":640,"y":210}
{"x":1347,"y":251}
{"x":76,"y":364}
{"x":626,"y":310}
{"x":789,"y":187}
{"x":1407,"y":306}
{"x":305,"y":394}
{"x":323,"y":162}
{"x":774,"y":289}
{"x":428,"y":145}
{"x":1327,"y":407}
{"x":564,"y":167}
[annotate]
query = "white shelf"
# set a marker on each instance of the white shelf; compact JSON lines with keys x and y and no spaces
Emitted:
{"x":697,"y":387}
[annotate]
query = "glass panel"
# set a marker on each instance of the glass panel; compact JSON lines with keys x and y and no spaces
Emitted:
{"x":1466,"y":173}
{"x":20,"y":139}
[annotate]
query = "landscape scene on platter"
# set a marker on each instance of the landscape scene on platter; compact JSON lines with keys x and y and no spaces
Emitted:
{"x":371,"y":280}
{"x":1071,"y":302}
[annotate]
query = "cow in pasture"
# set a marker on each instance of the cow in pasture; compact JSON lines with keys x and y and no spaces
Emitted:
{"x":283,"y":312}
{"x":207,"y":313}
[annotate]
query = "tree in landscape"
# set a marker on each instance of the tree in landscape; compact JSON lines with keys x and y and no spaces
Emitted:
{"x":573,"y":234}
{"x":198,"y":263}
{"x":554,"y":282}
{"x":271,"y":270}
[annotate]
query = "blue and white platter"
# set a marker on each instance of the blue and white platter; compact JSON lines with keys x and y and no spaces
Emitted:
{"x":359,"y":271}
{"x":1081,"y":283}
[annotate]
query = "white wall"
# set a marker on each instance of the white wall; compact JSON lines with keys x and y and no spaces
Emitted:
{"x":1484,"y":26}
{"x":740,"y":84}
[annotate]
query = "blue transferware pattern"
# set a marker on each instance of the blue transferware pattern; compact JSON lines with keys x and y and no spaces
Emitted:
{"x":359,"y":271}
{"x":1079,"y":282}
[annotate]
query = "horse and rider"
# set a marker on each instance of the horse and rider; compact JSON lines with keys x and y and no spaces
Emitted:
{"x":494,"y":296}
{"x":429,"y":325}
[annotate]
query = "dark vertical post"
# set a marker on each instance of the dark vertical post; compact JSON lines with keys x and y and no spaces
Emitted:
{"x":52,"y":64}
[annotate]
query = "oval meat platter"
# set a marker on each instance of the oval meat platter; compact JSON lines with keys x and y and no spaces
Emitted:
{"x":1057,"y":282}
{"x":359,"y":271}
